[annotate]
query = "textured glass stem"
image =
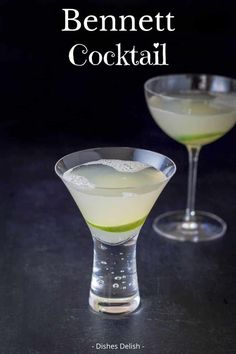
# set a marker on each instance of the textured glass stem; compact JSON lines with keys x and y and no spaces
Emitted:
{"x":193,"y":153}
{"x":114,"y":270}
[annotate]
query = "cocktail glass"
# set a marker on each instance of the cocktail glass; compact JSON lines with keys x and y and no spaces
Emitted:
{"x":195,"y":110}
{"x":115,"y":217}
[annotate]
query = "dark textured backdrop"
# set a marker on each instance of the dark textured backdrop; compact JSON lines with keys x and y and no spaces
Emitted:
{"x":40,"y":86}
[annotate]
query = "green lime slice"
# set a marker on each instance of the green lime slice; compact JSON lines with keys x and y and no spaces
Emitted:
{"x":120,"y":228}
{"x":198,"y":138}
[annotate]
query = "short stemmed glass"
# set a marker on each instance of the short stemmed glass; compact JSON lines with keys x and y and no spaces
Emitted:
{"x":195,"y":110}
{"x":115,"y":188}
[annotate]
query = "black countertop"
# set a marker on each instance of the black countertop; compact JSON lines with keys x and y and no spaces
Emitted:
{"x":187,"y":290}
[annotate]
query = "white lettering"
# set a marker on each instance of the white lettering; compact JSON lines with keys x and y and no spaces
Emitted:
{"x":79,"y":55}
{"x":158,"y":22}
{"x":104,"y":20}
{"x":121,"y":57}
{"x":145,"y":58}
{"x":133,"y":53}
{"x":106,"y":58}
{"x":143,"y":19}
{"x":157,"y":62}
{"x":74,"y":19}
{"x":123,"y":19}
{"x":72,"y":56}
{"x":90,"y":19}
{"x":91,"y":57}
{"x":123,"y":23}
{"x":169,"y":17}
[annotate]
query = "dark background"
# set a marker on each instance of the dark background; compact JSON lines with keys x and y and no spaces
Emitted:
{"x":50,"y":108}
{"x":40,"y":86}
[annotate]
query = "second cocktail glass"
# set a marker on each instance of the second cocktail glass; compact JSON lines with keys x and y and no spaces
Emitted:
{"x":115,"y":189}
{"x":194,"y":109}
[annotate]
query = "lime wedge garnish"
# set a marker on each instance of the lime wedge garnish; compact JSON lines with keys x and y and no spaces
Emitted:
{"x":120,"y":228}
{"x":198,"y":138}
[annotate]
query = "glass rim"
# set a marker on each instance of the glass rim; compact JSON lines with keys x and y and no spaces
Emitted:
{"x":173,"y":165}
{"x":159,"y":77}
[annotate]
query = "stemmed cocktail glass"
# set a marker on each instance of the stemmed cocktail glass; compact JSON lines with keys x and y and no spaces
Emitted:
{"x":115,"y":188}
{"x":195,"y":110}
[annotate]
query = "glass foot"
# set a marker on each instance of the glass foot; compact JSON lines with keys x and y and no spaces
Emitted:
{"x":204,"y":227}
{"x":114,"y":305}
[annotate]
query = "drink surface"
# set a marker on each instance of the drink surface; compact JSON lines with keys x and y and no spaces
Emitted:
{"x":114,"y":196}
{"x":195,"y":117}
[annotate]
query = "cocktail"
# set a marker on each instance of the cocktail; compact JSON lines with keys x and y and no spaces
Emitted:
{"x":195,"y":110}
{"x":115,"y":189}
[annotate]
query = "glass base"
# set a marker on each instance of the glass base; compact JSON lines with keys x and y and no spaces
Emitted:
{"x":204,"y":227}
{"x":114,"y":305}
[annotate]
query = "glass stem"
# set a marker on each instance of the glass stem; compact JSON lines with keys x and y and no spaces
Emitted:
{"x":114,"y":270}
{"x":193,"y":153}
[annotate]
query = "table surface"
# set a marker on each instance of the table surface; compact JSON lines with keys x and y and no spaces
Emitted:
{"x":187,"y":290}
